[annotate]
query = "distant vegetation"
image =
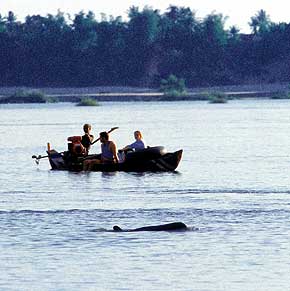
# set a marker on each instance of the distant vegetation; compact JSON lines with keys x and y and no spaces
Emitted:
{"x":173,"y":87}
{"x":148,"y":47}
{"x":281,"y":95}
{"x":28,"y":96}
{"x":217,"y":97}
{"x":88,"y":102}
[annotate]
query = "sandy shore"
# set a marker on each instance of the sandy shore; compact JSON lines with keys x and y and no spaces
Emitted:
{"x":106,"y":93}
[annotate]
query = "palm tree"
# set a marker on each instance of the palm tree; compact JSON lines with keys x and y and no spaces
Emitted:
{"x":260,"y":23}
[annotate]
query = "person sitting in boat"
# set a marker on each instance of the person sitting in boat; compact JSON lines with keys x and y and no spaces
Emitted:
{"x":87,"y":138}
{"x":109,"y":149}
{"x":108,"y":153}
{"x":138,"y":144}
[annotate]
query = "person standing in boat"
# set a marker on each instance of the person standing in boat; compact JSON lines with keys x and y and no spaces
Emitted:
{"x":87,"y":138}
{"x":108,"y":153}
{"x":138,"y":144}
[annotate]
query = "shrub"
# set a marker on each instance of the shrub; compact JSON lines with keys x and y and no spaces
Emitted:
{"x":51,"y":99}
{"x":88,"y":102}
{"x":217,"y":97}
{"x":173,"y":86}
{"x":281,"y":95}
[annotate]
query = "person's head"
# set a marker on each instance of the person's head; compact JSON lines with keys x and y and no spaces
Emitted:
{"x":87,"y":127}
{"x":138,"y":135}
{"x":104,"y":136}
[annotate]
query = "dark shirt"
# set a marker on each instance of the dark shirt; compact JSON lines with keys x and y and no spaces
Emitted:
{"x":107,"y":154}
{"x":86,"y":141}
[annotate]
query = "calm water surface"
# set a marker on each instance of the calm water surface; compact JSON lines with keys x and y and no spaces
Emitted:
{"x":233,"y":184}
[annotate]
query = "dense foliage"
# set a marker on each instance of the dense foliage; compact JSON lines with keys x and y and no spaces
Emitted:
{"x":172,"y":86}
{"x":148,"y":47}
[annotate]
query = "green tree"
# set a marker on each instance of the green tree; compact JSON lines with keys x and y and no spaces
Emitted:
{"x":234,"y":34}
{"x":211,"y":47}
{"x":142,"y":33}
{"x":173,"y":86}
{"x":49,"y":50}
{"x":2,"y":24}
{"x":177,"y":42}
{"x":260,"y":23}
{"x":46,"y":48}
{"x":109,"y":56}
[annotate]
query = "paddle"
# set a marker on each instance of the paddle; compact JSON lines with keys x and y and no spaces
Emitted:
{"x":112,"y":129}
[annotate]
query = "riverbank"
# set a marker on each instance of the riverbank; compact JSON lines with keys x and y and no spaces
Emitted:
{"x":107,"y":93}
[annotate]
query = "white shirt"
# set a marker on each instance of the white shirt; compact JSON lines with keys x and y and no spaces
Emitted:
{"x":138,"y":145}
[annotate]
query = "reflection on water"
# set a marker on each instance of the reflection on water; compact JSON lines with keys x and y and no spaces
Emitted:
{"x":232,"y":184}
{"x":108,"y":174}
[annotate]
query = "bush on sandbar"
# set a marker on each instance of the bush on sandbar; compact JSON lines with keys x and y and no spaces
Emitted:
{"x":173,"y":87}
{"x":217,"y":97}
{"x":281,"y":95}
{"x":88,"y":102}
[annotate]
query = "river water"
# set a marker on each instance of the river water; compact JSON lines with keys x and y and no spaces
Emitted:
{"x":232,"y":184}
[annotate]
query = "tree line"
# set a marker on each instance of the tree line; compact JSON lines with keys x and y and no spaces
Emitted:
{"x":57,"y":50}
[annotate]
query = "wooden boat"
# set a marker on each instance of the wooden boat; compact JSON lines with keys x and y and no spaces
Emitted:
{"x":153,"y":159}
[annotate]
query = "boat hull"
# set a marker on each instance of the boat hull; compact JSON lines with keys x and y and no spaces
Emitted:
{"x":148,"y":161}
